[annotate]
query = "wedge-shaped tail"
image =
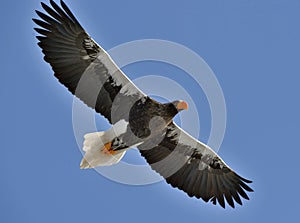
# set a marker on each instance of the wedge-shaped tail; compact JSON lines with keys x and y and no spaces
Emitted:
{"x":98,"y":151}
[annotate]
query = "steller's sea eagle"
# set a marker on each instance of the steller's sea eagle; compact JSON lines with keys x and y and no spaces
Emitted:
{"x":89,"y":73}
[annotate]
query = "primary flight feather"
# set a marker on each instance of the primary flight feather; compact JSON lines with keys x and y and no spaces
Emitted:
{"x":89,"y":73}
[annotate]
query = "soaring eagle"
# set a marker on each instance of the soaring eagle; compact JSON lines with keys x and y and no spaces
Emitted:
{"x":89,"y":73}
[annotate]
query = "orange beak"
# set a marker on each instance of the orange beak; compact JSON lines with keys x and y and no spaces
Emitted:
{"x":182,"y":105}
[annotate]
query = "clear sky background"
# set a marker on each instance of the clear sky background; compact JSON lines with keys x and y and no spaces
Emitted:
{"x":253,"y":48}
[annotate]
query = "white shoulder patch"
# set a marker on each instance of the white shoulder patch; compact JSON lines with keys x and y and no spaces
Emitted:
{"x":120,"y":127}
{"x":130,"y":89}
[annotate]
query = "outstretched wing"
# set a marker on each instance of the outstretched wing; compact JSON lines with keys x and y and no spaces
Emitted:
{"x":82,"y":65}
{"x":193,"y":167}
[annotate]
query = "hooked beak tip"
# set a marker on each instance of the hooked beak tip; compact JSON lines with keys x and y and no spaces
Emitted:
{"x":182,"y":105}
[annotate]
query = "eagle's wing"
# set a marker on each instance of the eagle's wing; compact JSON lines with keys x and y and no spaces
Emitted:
{"x":193,"y":167}
{"x":82,"y":65}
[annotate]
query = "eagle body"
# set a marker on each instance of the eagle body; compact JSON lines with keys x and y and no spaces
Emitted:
{"x":137,"y":120}
{"x":148,"y":119}
{"x":148,"y":113}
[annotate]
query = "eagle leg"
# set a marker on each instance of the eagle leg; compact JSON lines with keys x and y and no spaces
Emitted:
{"x":107,"y":149}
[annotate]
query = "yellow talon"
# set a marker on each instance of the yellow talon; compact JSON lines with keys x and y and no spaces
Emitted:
{"x":107,"y":149}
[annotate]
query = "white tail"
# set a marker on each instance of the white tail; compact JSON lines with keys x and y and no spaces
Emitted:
{"x":96,"y":155}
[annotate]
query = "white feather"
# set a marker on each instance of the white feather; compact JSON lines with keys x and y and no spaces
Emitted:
{"x":92,"y":140}
{"x":98,"y":157}
{"x":93,"y":147}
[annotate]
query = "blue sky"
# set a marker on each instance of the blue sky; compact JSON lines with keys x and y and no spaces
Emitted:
{"x":252,"y":47}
